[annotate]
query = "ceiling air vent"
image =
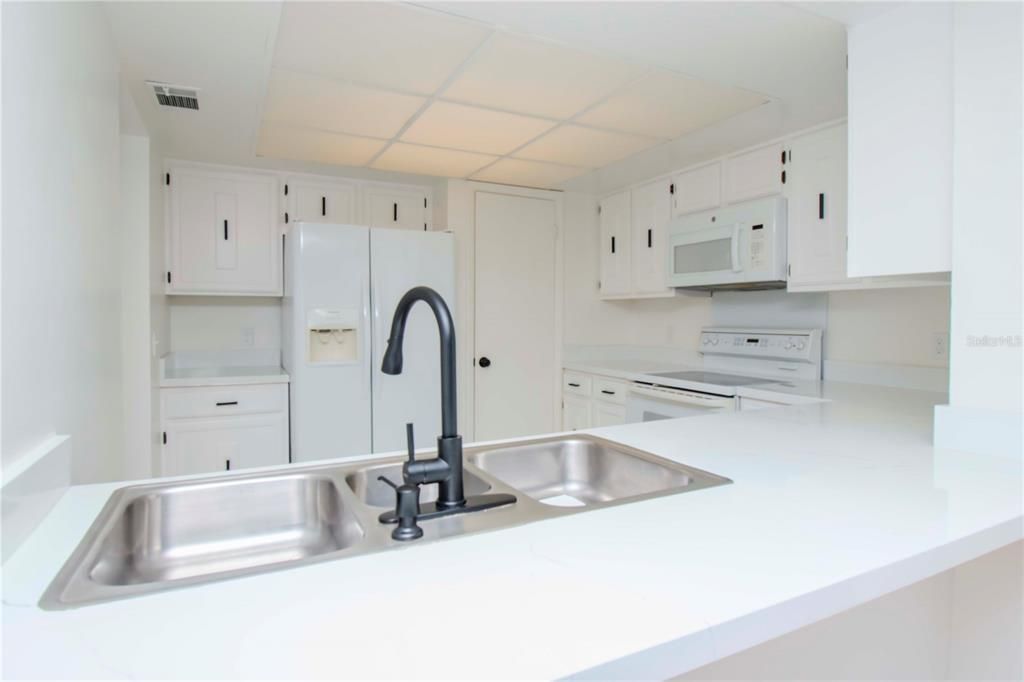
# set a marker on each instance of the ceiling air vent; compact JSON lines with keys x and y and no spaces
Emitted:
{"x":180,"y":96}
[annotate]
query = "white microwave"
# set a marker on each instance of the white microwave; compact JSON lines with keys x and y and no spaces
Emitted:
{"x":742,"y":246}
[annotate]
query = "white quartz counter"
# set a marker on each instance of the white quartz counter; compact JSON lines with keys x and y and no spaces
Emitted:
{"x":222,"y":376}
{"x":833,"y":503}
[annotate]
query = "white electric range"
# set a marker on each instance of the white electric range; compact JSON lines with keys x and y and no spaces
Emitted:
{"x":733,"y":357}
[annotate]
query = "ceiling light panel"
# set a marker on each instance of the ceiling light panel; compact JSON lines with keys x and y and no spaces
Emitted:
{"x":282,"y":141}
{"x":380,"y":44}
{"x":318,"y":102}
{"x":586,"y":147}
{"x":457,"y":126}
{"x":528,"y":173}
{"x":412,"y":158}
{"x":534,"y":77}
{"x":669,"y":105}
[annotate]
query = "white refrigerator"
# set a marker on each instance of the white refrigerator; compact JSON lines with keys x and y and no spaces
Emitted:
{"x":342,"y":284}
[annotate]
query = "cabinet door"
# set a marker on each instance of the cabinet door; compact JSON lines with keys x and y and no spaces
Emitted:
{"x":606,"y":414}
{"x":224,"y":233}
{"x":315,"y":202}
{"x":650,"y":212}
{"x":757,"y":173}
{"x":575,"y":413}
{"x":698,"y":189}
{"x":816,"y":193}
{"x":614,"y":245}
{"x":401,"y":208}
{"x":199,"y":446}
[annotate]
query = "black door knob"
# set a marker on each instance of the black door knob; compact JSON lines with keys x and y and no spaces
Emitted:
{"x":484,"y":362}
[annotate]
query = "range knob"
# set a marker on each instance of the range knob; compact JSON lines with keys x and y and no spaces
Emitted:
{"x":714,"y":340}
{"x":706,"y":341}
{"x":800,"y":345}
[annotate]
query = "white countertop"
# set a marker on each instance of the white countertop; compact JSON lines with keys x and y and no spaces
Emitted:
{"x":222,"y":376}
{"x":833,"y":504}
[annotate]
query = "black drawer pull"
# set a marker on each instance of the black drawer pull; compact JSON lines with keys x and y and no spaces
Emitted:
{"x":607,"y":392}
{"x":394,"y":209}
{"x":227,"y":465}
{"x":821,"y":206}
{"x":323,"y":206}
{"x":574,"y":385}
{"x":648,"y":238}
{"x":226,"y":403}
{"x":613,"y":244}
{"x":225,"y":229}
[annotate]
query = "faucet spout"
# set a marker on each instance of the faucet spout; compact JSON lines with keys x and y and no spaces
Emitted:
{"x":393,"y":361}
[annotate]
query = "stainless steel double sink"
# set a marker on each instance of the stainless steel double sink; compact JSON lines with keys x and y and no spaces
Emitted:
{"x":166,"y":535}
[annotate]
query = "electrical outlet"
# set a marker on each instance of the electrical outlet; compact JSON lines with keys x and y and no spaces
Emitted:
{"x":248,"y":337}
{"x":940,"y":344}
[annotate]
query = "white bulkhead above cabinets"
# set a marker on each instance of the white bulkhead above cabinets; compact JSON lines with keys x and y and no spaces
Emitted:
{"x":225,"y":225}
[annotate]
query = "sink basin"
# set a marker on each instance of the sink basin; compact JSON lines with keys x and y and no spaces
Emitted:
{"x":167,"y":535}
{"x":580,"y":472}
{"x":368,"y":490}
{"x":189,"y":531}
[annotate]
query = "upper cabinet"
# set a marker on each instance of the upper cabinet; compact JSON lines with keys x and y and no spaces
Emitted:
{"x":316,"y":201}
{"x":633,"y":239}
{"x":697,"y":189}
{"x":223,"y":232}
{"x":900,"y":104}
{"x":756,"y":173}
{"x":395,"y":206}
{"x":614,"y":245}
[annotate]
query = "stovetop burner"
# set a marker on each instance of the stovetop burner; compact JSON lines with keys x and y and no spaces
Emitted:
{"x":716,"y":378}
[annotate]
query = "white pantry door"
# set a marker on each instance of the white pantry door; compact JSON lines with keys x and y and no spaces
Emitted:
{"x":515,"y":316}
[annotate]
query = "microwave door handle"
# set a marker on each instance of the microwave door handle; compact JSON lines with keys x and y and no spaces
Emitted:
{"x":736,"y":248}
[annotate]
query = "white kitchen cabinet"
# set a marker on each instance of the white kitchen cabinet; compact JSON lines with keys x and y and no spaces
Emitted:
{"x":608,"y":414}
{"x":575,"y":413}
{"x":650,"y":209}
{"x":614,"y":245}
{"x":697,"y":189}
{"x":900,"y":113}
{"x":396,"y":206}
{"x":316,"y":201}
{"x":223,"y":232}
{"x":755,"y":173}
{"x":219,"y":428}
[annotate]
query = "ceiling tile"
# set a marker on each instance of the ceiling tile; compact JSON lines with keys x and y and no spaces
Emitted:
{"x":539,"y":78}
{"x":458,"y":126}
{"x":528,"y":173}
{"x":282,"y":141}
{"x":669,"y":104}
{"x":413,"y":158}
{"x":375,"y":43}
{"x":318,"y":102}
{"x":579,"y":146}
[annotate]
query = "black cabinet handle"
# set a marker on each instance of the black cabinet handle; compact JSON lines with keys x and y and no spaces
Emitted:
{"x":574,"y":385}
{"x":484,"y":362}
{"x":648,"y":238}
{"x":229,"y":402}
{"x":323,"y":206}
{"x":227,"y":465}
{"x":607,"y":392}
{"x":821,"y":206}
{"x":783,"y":177}
{"x":225,"y":229}
{"x":613,"y":244}
{"x":394,"y":209}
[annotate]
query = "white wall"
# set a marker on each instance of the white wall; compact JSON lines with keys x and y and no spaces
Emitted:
{"x":220,"y":323}
{"x":61,"y":274}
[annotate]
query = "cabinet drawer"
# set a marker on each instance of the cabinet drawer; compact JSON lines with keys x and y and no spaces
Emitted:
{"x":576,"y":382}
{"x":610,"y":390}
{"x":218,"y":401}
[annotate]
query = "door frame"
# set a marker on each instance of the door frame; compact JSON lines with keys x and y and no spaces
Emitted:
{"x":462,"y":221}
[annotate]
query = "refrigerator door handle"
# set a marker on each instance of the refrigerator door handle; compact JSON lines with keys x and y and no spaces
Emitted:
{"x":368,"y":350}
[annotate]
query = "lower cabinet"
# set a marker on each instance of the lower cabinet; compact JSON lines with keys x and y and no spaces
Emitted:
{"x":223,"y":428}
{"x":590,"y":400}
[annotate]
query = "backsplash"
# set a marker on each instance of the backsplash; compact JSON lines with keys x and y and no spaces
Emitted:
{"x":214,"y":323}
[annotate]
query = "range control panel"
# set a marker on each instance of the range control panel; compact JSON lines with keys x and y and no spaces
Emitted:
{"x":788,"y":344}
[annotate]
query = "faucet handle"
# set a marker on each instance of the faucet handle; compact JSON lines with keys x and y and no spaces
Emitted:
{"x":410,"y":442}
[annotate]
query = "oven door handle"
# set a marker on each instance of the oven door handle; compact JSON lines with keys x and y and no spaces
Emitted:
{"x":710,"y":402}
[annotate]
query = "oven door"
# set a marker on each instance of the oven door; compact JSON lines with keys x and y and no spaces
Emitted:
{"x":647,"y":403}
{"x":708,"y":256}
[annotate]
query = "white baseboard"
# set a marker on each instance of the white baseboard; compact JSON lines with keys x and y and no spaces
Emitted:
{"x":31,"y":487}
{"x":989,"y":432}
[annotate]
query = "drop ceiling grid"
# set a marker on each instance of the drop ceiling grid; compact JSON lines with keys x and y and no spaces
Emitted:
{"x":575,"y":58}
